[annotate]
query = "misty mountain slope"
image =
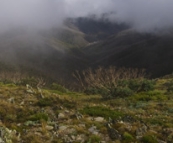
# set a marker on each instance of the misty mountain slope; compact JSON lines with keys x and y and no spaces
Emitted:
{"x":43,"y":53}
{"x":56,"y":52}
{"x":131,"y":49}
{"x":68,"y":37}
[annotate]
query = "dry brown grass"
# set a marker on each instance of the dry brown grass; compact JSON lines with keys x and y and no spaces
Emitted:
{"x":102,"y":77}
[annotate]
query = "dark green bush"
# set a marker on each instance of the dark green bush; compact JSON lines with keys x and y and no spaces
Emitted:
{"x":38,"y":117}
{"x":45,"y":102}
{"x":120,"y":92}
{"x":101,"y":111}
{"x":58,"y":87}
{"x":122,"y":83}
{"x":91,"y":91}
{"x":135,"y":85}
{"x":31,"y":81}
{"x":94,"y":139}
{"x":123,"y":88}
{"x":147,"y":85}
{"x":69,"y":105}
{"x":141,"y":85}
{"x":104,"y":92}
{"x":127,"y":137}
{"x":149,"y":139}
{"x":169,"y":86}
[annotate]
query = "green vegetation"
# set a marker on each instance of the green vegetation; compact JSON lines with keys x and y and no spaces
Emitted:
{"x":45,"y":102}
{"x":58,"y":87}
{"x":169,"y":86}
{"x":113,"y":82}
{"x":127,"y":137}
{"x":143,"y":116}
{"x":101,"y":111}
{"x":94,"y":139}
{"x":149,"y":139}
{"x":38,"y":117}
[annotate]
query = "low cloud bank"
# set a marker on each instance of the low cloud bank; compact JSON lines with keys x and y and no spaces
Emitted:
{"x":148,"y":15}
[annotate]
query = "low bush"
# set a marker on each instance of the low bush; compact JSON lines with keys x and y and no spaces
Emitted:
{"x":94,"y":139}
{"x":147,"y":85}
{"x":149,"y":139}
{"x":123,"y":88}
{"x":121,"y":92}
{"x":101,"y":111}
{"x":92,"y":91}
{"x":38,"y":117}
{"x":134,"y":85}
{"x":114,"y":82}
{"x":45,"y":102}
{"x":148,"y":96}
{"x":169,"y":86}
{"x":58,"y":87}
{"x":31,"y":81}
{"x":127,"y":137}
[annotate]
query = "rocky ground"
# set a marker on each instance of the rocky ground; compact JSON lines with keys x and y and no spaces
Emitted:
{"x":31,"y":115}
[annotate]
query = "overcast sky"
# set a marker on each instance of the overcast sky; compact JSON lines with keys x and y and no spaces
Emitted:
{"x":143,"y":15}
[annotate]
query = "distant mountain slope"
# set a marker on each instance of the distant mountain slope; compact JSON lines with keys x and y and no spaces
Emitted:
{"x":54,"y":54}
{"x":132,"y":49}
{"x":84,"y":43}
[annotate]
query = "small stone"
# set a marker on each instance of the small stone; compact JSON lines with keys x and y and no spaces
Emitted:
{"x":93,"y":130}
{"x":49,"y":128}
{"x":30,"y":91}
{"x":28,"y":123}
{"x":61,"y":116}
{"x":99,"y":119}
{"x":81,"y":138}
{"x":78,"y":115}
{"x":141,"y":131}
{"x":61,"y":107}
{"x":121,"y":122}
{"x":11,"y":100}
{"x":90,"y":118}
{"x":22,"y":103}
{"x":82,"y":125}
{"x":66,"y":111}
{"x":78,"y":138}
{"x":73,"y":137}
{"x":1,"y":141}
{"x":38,"y":133}
{"x":71,"y":131}
{"x":138,"y":137}
{"x":61,"y":128}
{"x":160,"y":141}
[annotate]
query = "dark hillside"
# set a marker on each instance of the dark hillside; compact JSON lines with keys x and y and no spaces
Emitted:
{"x":131,"y":49}
{"x":57,"y":53}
